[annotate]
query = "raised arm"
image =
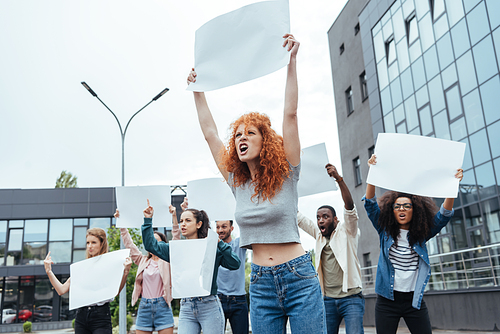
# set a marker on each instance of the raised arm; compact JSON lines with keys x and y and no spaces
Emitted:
{"x":127,"y":265}
{"x":370,"y":188}
{"x":207,"y":124}
{"x":448,"y":202}
{"x":346,"y":194}
{"x":60,"y":288}
{"x":176,"y":232}
{"x":135,"y":253}
{"x":350,"y":214}
{"x":290,"y":126}
{"x":158,"y":248}
{"x":307,"y":225}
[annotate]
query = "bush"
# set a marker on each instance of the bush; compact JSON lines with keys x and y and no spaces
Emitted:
{"x":130,"y":322}
{"x":73,"y":324}
{"x":115,"y":319}
{"x":176,"y":306}
{"x":27,"y":327}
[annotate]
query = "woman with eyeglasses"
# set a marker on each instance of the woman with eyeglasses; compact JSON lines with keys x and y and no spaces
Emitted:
{"x":404,"y":223}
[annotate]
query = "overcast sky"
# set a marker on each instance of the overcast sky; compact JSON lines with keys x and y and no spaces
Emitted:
{"x":129,"y":51}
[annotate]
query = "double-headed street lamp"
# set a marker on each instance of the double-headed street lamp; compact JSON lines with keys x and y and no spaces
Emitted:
{"x":123,"y":293}
{"x":123,"y":133}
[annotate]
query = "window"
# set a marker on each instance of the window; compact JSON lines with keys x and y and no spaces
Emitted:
{"x":348,"y":98}
{"x":35,"y":241}
{"x":14,"y":247}
{"x":371,"y":151}
{"x":437,"y":8}
{"x":426,"y":120}
{"x":60,"y":229}
{"x":356,"y":29}
{"x":411,"y":29}
{"x":357,"y":171}
{"x":364,"y":87}
{"x":367,"y":263}
{"x":390,"y":50}
{"x":3,"y":239}
{"x":453,"y":103}
{"x":341,"y":49}
{"x":103,"y":223}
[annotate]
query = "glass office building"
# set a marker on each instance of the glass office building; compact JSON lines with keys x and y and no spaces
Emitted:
{"x":429,"y":68}
{"x":436,"y":65}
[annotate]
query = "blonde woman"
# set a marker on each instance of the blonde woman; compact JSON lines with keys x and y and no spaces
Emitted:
{"x":95,"y":318}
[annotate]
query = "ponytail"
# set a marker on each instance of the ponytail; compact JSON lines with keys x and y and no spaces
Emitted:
{"x":201,"y":216}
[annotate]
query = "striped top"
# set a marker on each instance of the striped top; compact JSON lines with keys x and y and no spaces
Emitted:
{"x":405,"y":262}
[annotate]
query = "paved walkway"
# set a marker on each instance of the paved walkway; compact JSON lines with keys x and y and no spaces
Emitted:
{"x":368,"y":330}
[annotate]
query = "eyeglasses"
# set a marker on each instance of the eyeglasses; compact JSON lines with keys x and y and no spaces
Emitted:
{"x":404,"y":206}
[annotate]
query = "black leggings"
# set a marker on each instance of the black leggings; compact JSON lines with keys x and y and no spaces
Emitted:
{"x":93,"y":320}
{"x":388,"y":313}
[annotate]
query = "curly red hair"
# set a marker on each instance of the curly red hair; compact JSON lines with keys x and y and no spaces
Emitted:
{"x":274,"y":167}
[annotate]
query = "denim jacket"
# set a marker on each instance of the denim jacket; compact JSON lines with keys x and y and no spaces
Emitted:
{"x":384,"y":285}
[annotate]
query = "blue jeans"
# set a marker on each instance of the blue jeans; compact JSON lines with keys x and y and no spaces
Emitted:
{"x":351,"y":308}
{"x":199,"y":313}
{"x":236,"y":310}
{"x":289,"y":290}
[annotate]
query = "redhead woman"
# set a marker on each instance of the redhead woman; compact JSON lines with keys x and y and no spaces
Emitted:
{"x":95,"y":318}
{"x":197,"y":313}
{"x":262,"y":168}
{"x":152,"y":284}
{"x":404,"y":223}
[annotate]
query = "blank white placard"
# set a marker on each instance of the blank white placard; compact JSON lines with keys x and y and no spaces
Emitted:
{"x":131,"y":201}
{"x":241,"y":45}
{"x":417,"y":165}
{"x":192,"y":266}
{"x":313,"y":176}
{"x":212,"y":195}
{"x":96,"y":279}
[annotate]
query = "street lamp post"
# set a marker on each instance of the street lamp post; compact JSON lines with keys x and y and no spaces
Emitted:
{"x":123,"y":293}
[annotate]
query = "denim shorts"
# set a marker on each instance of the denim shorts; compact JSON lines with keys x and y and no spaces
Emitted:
{"x":288,"y":291}
{"x":154,"y":315}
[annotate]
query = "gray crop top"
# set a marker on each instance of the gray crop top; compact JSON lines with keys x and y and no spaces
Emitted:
{"x":265,"y":222}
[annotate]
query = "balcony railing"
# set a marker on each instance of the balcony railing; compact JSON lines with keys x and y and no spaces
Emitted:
{"x":463,"y":269}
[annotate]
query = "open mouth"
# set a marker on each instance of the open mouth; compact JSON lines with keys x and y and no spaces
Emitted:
{"x":402,"y":216}
{"x":322,"y":229}
{"x":243,"y":148}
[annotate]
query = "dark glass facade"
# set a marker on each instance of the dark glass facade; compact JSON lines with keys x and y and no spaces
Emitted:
{"x":34,"y":222}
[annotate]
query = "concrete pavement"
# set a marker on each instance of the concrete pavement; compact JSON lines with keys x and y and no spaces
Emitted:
{"x":368,"y":330}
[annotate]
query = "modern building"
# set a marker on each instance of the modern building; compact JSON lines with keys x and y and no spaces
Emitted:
{"x":34,"y":222}
{"x":430,"y":68}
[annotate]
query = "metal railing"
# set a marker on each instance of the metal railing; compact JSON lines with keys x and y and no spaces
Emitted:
{"x":463,"y":269}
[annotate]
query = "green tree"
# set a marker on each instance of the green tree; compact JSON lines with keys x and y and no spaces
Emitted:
{"x":114,"y":244}
{"x":67,"y":180}
{"x":313,"y":257}
{"x":248,"y":271}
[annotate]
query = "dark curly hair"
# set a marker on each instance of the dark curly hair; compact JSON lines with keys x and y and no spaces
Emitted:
{"x":201,"y":216}
{"x":274,"y":167}
{"x":424,"y":210}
